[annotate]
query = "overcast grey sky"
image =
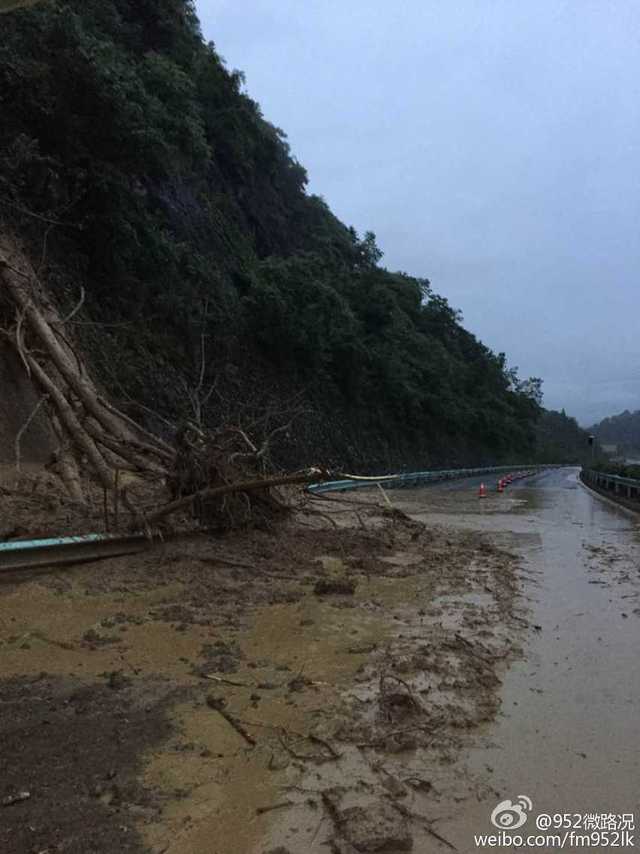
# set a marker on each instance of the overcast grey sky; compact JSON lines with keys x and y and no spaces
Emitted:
{"x":492,"y":145}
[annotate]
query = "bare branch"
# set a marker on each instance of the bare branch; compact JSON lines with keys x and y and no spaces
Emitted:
{"x":25,"y":427}
{"x":75,"y":310}
{"x":308,"y":476}
{"x":20,"y":347}
{"x":146,"y":409}
{"x":43,"y":256}
{"x":39,"y":216}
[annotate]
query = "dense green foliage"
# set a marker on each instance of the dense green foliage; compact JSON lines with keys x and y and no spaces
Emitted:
{"x":561,"y":440}
{"x":134,"y":157}
{"x":619,"y":469}
{"x":622,"y":430}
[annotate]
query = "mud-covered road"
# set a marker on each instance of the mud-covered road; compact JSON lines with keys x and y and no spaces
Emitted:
{"x":365,"y":678}
{"x":569,"y":724}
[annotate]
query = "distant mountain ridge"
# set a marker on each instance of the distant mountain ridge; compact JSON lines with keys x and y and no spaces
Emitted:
{"x":622,"y":430}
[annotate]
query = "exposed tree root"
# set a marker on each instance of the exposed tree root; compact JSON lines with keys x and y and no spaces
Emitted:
{"x":223,"y":476}
{"x":263,"y":483}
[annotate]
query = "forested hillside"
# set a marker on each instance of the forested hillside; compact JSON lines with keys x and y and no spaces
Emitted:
{"x":133,"y":165}
{"x":622,"y":430}
{"x":561,"y":440}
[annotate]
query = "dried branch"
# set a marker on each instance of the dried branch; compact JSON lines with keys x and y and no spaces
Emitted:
{"x":75,"y":310}
{"x":218,"y":704}
{"x":38,"y":216}
{"x":19,"y":343}
{"x":307,"y":476}
{"x":160,"y":443}
{"x":25,"y":427}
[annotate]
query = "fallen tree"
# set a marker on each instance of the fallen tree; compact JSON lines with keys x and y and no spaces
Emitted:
{"x":105,"y":440}
{"x":221,"y":476}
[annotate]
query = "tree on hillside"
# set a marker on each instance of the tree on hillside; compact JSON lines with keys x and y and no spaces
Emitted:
{"x":134,"y":166}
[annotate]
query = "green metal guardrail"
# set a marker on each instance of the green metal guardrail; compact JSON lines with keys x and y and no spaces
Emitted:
{"x":411,"y":479}
{"x":625,"y":487}
{"x":18,"y":554}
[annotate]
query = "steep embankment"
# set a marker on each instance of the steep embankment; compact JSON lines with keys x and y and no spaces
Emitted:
{"x":133,"y":164}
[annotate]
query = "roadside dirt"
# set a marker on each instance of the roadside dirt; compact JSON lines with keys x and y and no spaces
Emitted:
{"x":233,"y":695}
{"x":33,"y":505}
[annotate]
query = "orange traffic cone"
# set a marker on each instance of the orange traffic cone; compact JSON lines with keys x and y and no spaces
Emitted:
{"x":482,"y":492}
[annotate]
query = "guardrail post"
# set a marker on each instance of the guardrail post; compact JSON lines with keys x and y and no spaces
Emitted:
{"x":625,"y":487}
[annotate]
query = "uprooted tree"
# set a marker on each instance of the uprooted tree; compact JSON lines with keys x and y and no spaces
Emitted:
{"x":221,"y":475}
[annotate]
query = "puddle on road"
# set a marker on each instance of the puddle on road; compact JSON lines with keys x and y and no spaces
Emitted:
{"x":42,"y":631}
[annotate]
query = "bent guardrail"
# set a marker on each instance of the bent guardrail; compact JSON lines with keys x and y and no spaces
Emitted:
{"x":622,"y":487}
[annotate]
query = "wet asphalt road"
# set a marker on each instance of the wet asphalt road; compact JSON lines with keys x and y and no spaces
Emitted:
{"x":491,"y":481}
{"x":568,"y":733}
